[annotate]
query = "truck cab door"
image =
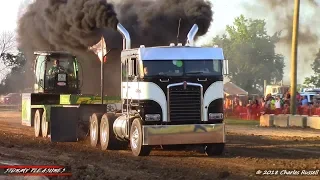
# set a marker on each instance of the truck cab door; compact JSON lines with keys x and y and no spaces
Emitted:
{"x":135,"y":82}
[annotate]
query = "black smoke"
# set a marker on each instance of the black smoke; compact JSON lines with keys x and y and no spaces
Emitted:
{"x":159,"y":22}
{"x":70,"y":25}
{"x":64,"y":25}
{"x":75,"y":25}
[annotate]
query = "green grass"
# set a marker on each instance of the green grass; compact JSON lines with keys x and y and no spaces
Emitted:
{"x":241,"y":122}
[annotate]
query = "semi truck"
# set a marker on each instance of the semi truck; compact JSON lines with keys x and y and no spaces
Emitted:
{"x":170,"y":95}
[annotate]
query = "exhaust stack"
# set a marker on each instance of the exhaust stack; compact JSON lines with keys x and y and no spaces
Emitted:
{"x":192,"y":33}
{"x":126,"y":36}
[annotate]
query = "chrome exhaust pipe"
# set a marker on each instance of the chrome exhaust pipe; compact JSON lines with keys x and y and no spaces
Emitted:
{"x":126,"y":36}
{"x":191,"y":35}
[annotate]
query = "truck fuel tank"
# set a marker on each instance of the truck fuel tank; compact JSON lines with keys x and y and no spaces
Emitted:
{"x":120,"y":127}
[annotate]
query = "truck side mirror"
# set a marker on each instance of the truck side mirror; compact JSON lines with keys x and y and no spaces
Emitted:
{"x":225,"y":67}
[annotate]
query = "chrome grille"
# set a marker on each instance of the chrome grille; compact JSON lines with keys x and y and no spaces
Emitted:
{"x":185,"y":102}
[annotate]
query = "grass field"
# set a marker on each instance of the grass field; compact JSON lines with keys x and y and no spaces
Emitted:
{"x":241,"y":122}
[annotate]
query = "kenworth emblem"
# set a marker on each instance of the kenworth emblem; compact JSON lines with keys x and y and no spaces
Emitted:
{"x":185,"y":85}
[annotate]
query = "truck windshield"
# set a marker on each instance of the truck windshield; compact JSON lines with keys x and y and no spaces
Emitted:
{"x":182,"y":68}
{"x":65,"y":64}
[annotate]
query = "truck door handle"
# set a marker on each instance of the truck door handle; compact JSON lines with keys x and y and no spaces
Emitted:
{"x":164,"y":80}
{"x":202,"y":80}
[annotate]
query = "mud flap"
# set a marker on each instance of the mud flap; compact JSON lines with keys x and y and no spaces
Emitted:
{"x":64,"y":124}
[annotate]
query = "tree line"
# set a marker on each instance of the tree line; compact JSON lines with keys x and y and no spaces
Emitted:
{"x":12,"y":63}
{"x":315,"y":79}
{"x":252,"y":57}
{"x":251,"y":54}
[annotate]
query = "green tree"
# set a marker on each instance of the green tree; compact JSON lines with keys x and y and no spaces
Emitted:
{"x":315,"y":79}
{"x":14,"y":81}
{"x":251,"y":53}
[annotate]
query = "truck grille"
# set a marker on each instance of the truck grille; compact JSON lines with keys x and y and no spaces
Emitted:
{"x":185,"y":104}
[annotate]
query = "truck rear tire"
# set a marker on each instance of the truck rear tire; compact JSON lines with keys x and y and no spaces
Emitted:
{"x":94,"y":129}
{"x":108,"y":139}
{"x":214,"y":149}
{"x":137,"y":148}
{"x":44,"y":125}
{"x":37,"y":122}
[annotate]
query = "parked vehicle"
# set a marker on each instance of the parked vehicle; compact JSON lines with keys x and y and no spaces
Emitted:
{"x":12,"y":98}
{"x":1,"y":99}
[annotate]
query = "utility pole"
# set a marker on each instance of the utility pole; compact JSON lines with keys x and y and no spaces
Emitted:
{"x":295,"y":34}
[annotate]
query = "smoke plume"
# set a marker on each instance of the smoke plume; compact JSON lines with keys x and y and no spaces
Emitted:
{"x":75,"y":25}
{"x":283,"y":10}
{"x":159,"y":22}
{"x":70,"y":25}
{"x":279,"y":14}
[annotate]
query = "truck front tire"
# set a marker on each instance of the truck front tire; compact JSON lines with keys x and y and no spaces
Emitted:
{"x":214,"y":149}
{"x":137,"y":148}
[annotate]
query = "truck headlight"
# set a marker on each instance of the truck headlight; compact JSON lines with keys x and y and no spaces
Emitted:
{"x":213,"y":116}
{"x":152,"y":117}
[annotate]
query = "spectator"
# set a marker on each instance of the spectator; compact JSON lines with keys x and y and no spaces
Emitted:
{"x":278,"y":103}
{"x":249,"y":109}
{"x":304,"y":102}
{"x":286,"y":109}
{"x":268,"y":97}
{"x":267,"y":105}
{"x":314,"y":100}
{"x":263,"y":102}
{"x":287,"y":98}
{"x":272,"y":104}
{"x":298,"y":96}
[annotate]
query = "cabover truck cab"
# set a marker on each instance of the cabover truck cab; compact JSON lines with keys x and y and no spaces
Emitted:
{"x":172,"y":96}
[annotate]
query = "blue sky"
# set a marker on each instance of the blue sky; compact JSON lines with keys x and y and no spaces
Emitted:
{"x":224,"y":13}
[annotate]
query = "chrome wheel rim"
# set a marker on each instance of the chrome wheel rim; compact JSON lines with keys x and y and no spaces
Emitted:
{"x":104,"y":132}
{"x":44,"y":125}
{"x":135,"y":138}
{"x":93,"y":130}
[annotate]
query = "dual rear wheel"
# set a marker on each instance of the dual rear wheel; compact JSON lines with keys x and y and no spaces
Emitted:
{"x":101,"y":132}
{"x":41,"y":125}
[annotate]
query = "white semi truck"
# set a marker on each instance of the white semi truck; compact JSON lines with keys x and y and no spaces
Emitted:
{"x":170,"y":95}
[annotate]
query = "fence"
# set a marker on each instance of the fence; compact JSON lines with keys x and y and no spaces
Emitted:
{"x":10,"y":107}
{"x":254,"y":113}
{"x":240,"y":112}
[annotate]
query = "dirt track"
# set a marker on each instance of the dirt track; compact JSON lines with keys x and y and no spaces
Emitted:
{"x":244,"y":154}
